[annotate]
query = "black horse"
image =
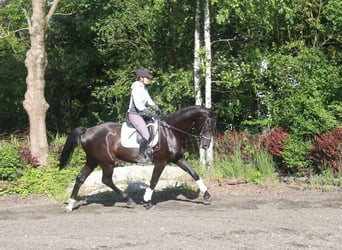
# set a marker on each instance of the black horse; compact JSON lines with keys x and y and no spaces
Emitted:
{"x":102,"y":145}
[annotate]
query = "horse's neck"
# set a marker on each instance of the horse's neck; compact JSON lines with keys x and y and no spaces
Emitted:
{"x":183,"y":121}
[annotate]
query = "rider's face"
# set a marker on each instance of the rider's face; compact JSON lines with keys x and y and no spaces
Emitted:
{"x":145,"y":80}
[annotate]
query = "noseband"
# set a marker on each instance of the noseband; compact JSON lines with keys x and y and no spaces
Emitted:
{"x":203,"y":127}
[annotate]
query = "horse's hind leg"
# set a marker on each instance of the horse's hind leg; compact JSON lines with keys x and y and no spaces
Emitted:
{"x":80,"y":179}
{"x":107,"y":179}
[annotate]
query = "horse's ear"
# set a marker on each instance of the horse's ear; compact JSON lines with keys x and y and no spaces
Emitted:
{"x":214,"y":114}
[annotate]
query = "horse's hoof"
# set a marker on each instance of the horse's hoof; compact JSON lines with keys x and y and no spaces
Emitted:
{"x":130,"y":203}
{"x":206,"y":195}
{"x":69,"y":207}
{"x":148,"y":205}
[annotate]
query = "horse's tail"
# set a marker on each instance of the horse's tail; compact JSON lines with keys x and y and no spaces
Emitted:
{"x":70,"y":145}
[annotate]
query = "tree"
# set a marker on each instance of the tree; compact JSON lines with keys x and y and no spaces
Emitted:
{"x":207,"y":42}
{"x":36,"y":62}
{"x":13,"y":46}
{"x":206,"y":156}
{"x":197,"y":59}
{"x":94,"y":52}
{"x":74,"y":68}
{"x":160,"y":37}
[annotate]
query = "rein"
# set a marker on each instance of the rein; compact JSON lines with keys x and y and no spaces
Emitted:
{"x":166,"y":125}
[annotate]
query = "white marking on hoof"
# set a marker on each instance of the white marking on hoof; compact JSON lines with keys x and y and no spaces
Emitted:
{"x":70,"y":206}
{"x":148,"y":194}
{"x":201,"y":185}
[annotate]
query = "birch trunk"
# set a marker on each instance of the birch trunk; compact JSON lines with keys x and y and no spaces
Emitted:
{"x":207,"y":41}
{"x":197,"y":61}
{"x":197,"y":45}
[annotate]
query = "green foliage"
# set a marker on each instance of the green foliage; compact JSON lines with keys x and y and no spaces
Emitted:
{"x":242,"y":156}
{"x":46,"y":181}
{"x":75,"y":67}
{"x":332,"y":11}
{"x":259,"y":169}
{"x":232,"y":168}
{"x":132,"y":35}
{"x":274,"y":63}
{"x":77,"y":160}
{"x":326,"y":178}
{"x":11,"y":167}
{"x":27,"y":180}
{"x":296,"y":154}
{"x":280,"y":22}
{"x":299,"y":100}
{"x":174,"y":90}
{"x":264,"y":163}
{"x":96,"y":46}
{"x":14,"y":42}
{"x":12,"y":87}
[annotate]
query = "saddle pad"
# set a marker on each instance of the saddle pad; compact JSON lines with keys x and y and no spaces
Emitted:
{"x":129,"y":135}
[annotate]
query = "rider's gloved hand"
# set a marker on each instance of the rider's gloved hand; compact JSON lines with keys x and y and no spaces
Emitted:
{"x":156,"y":108}
{"x":149,"y":113}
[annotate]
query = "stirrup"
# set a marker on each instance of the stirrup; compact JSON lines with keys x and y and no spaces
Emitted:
{"x":143,"y":160}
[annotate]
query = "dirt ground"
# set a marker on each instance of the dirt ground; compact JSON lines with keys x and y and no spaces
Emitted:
{"x":239,"y":216}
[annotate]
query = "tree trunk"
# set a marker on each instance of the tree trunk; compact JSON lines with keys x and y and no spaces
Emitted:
{"x":35,"y":103}
{"x":197,"y":59}
{"x":207,"y":41}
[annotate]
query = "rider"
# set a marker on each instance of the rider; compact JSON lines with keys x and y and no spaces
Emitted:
{"x":138,"y":112}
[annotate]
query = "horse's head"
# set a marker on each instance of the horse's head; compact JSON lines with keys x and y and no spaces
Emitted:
{"x":207,"y":126}
{"x":196,"y":121}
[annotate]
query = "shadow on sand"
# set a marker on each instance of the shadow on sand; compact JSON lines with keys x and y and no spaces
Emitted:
{"x":136,"y":192}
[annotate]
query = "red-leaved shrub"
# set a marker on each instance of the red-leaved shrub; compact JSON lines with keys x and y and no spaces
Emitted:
{"x":229,"y":141}
{"x":25,"y":155}
{"x":327,"y":151}
{"x":275,"y":141}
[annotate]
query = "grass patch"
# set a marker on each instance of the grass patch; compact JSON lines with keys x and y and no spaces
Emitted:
{"x":257,"y":168}
{"x":326,"y":178}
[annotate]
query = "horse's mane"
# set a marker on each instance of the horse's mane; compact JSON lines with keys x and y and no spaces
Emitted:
{"x":182,"y":111}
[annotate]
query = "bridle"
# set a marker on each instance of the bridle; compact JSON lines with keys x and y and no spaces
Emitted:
{"x":200,"y":136}
{"x":202,"y":129}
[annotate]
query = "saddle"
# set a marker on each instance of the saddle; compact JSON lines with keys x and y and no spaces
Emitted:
{"x":130,"y":138}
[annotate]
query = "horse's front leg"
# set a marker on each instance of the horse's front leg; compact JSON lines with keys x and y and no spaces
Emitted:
{"x":183,"y":164}
{"x":157,"y":171}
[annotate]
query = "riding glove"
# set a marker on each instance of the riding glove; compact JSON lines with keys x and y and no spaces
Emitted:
{"x":156,"y":108}
{"x":149,"y":113}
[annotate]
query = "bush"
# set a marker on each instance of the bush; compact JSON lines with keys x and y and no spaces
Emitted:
{"x":275,"y":141}
{"x":290,"y":152}
{"x":242,"y":155}
{"x":301,"y":87}
{"x":327,"y":151}
{"x":11,"y":167}
{"x":227,"y":143}
{"x":45,"y":181}
{"x":18,"y":166}
{"x":296,"y":155}
{"x":26,"y":157}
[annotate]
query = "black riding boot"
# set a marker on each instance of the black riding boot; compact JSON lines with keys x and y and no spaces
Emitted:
{"x":142,"y":158}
